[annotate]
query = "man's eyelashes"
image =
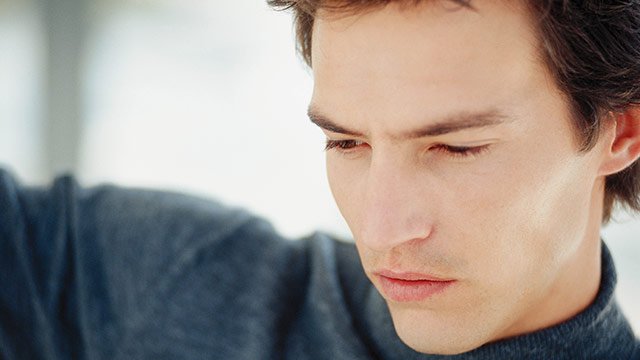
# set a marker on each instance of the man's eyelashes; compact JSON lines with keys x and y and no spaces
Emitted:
{"x":347,"y":146}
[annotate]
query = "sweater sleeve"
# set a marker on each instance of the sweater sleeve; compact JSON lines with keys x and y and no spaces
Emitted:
{"x":85,"y":271}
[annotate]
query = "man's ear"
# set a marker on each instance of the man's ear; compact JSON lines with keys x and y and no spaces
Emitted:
{"x":623,"y":141}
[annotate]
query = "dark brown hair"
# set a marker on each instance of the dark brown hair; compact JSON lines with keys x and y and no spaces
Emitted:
{"x":591,"y":47}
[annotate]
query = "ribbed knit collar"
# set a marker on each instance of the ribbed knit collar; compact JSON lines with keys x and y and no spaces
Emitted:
{"x":598,"y":332}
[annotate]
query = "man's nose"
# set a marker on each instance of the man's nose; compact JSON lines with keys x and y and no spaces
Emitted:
{"x":397,"y":206}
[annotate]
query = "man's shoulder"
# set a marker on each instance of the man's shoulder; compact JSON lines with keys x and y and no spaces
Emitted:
{"x":124,"y":254}
{"x":124,"y":223}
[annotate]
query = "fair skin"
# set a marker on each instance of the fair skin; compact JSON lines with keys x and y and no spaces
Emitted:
{"x":453,"y":155}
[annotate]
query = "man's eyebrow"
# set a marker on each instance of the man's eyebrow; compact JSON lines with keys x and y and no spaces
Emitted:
{"x":324,"y":122}
{"x":459,"y":122}
{"x":449,"y":124}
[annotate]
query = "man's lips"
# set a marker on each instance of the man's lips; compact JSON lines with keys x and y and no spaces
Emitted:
{"x":409,"y":276}
{"x":410,"y":286}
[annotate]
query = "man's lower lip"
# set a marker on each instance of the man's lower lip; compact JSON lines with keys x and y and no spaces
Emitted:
{"x":411,"y":290}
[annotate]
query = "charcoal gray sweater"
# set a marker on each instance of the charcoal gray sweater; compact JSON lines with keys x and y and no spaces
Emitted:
{"x":109,"y":273}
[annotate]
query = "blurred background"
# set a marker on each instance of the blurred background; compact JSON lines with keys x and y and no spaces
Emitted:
{"x":203,"y":97}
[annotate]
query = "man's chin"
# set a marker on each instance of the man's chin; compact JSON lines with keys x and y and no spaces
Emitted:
{"x":453,"y":346}
{"x":433,"y":336}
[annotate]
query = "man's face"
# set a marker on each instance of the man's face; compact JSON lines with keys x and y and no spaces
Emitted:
{"x":454,"y":158}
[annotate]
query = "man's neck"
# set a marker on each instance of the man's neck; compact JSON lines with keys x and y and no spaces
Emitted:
{"x":569,"y":294}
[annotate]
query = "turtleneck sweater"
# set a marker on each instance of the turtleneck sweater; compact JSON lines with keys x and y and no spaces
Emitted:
{"x":114,"y":273}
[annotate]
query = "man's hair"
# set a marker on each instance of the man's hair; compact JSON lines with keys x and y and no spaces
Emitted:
{"x":591,"y":48}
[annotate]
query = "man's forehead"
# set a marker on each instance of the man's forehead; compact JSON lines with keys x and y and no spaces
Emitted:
{"x":427,"y":64}
{"x":422,"y":28}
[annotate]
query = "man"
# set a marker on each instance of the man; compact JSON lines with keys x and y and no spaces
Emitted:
{"x":474,"y":149}
{"x":470,"y":229}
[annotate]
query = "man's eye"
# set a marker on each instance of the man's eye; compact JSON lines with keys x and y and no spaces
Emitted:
{"x":342,"y":145}
{"x":460,"y":151}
